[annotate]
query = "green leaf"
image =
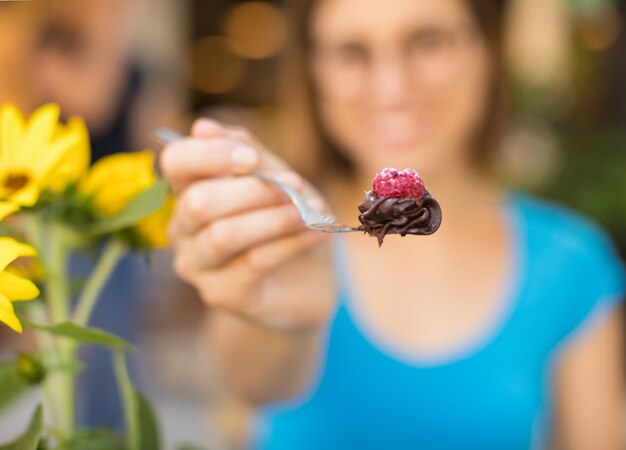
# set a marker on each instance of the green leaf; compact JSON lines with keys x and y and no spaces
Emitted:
{"x":148,"y":425}
{"x":30,"y":439}
{"x":140,"y":207}
{"x":12,"y":386}
{"x":81,"y":334}
{"x":73,"y":367}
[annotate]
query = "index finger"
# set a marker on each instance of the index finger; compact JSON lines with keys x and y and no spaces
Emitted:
{"x":192,"y":159}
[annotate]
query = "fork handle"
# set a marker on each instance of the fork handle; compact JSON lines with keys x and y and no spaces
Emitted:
{"x":166,"y":136}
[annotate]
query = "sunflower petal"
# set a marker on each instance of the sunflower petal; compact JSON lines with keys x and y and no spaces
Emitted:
{"x":7,"y":208}
{"x":154,"y":227}
{"x":116,"y":179}
{"x":11,"y":246}
{"x":11,"y":132}
{"x":50,"y":157}
{"x":40,"y":128}
{"x":27,"y":196}
{"x":17,"y":288}
{"x":75,"y":161}
{"x":120,"y":166}
{"x":6,"y":259}
{"x":7,"y":314}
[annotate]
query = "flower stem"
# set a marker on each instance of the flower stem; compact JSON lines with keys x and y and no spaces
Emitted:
{"x":130,"y":402}
{"x":57,"y":291}
{"x":55,"y":386}
{"x":33,"y":231}
{"x":107,"y":262}
{"x":48,"y":347}
{"x":56,"y":276}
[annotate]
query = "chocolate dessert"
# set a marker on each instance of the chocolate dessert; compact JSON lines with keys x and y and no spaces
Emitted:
{"x":399,"y":204}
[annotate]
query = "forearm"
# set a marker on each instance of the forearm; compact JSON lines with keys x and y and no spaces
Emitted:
{"x":263,"y":365}
{"x":589,"y":389}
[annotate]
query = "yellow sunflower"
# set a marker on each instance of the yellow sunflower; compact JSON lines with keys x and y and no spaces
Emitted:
{"x":7,"y":208}
{"x":115,"y":180}
{"x":12,"y":287}
{"x":154,"y":227}
{"x":38,"y":153}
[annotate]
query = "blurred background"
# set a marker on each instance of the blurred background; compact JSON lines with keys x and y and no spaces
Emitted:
{"x":128,"y":66}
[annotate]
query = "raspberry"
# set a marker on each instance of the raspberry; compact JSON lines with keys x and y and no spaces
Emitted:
{"x":405,"y":184}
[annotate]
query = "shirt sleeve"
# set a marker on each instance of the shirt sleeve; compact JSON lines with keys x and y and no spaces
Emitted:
{"x":599,"y":280}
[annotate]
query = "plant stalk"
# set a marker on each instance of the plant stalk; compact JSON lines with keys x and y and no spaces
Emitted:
{"x":107,"y":262}
{"x":130,"y":403}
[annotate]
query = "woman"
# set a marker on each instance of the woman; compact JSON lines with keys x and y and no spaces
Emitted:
{"x":498,"y":332}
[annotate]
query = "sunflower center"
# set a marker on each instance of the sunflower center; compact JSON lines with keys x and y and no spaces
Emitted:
{"x":15,"y":181}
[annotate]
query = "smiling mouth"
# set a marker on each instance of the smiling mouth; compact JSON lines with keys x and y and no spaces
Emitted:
{"x":398,"y":137}
{"x":399,"y":129}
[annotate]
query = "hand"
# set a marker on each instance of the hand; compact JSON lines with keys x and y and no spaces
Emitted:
{"x":238,"y":240}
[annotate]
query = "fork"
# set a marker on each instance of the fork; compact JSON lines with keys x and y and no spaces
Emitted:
{"x":310,"y":216}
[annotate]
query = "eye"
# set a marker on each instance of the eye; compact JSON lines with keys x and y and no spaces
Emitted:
{"x":428,"y":41}
{"x":352,"y":54}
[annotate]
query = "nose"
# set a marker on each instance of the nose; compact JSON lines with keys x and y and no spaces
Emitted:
{"x":390,"y":81}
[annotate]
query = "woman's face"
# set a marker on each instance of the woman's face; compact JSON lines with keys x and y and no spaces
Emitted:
{"x":400,"y":83}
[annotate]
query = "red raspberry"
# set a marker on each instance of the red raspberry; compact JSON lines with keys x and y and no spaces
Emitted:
{"x":405,"y":184}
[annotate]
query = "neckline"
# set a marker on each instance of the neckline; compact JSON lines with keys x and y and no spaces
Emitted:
{"x":479,"y":341}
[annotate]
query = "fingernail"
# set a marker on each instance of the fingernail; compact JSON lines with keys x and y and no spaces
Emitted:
{"x":244,"y":157}
{"x":204,"y":127}
{"x":291,"y":179}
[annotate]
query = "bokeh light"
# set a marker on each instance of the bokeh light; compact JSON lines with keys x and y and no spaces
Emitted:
{"x":601,"y":33}
{"x":256,"y":30}
{"x":215,"y":69}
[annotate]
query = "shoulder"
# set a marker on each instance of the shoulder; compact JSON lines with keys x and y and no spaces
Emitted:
{"x":555,"y":228}
{"x":568,"y":255}
{"x":572,"y":267}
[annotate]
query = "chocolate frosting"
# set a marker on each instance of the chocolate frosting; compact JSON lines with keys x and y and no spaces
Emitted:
{"x":381,"y":216}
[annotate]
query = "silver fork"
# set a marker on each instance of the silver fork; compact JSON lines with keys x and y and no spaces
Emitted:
{"x":310,"y":216}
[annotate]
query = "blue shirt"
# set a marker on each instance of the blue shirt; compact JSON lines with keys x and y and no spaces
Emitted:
{"x":493,"y":394}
